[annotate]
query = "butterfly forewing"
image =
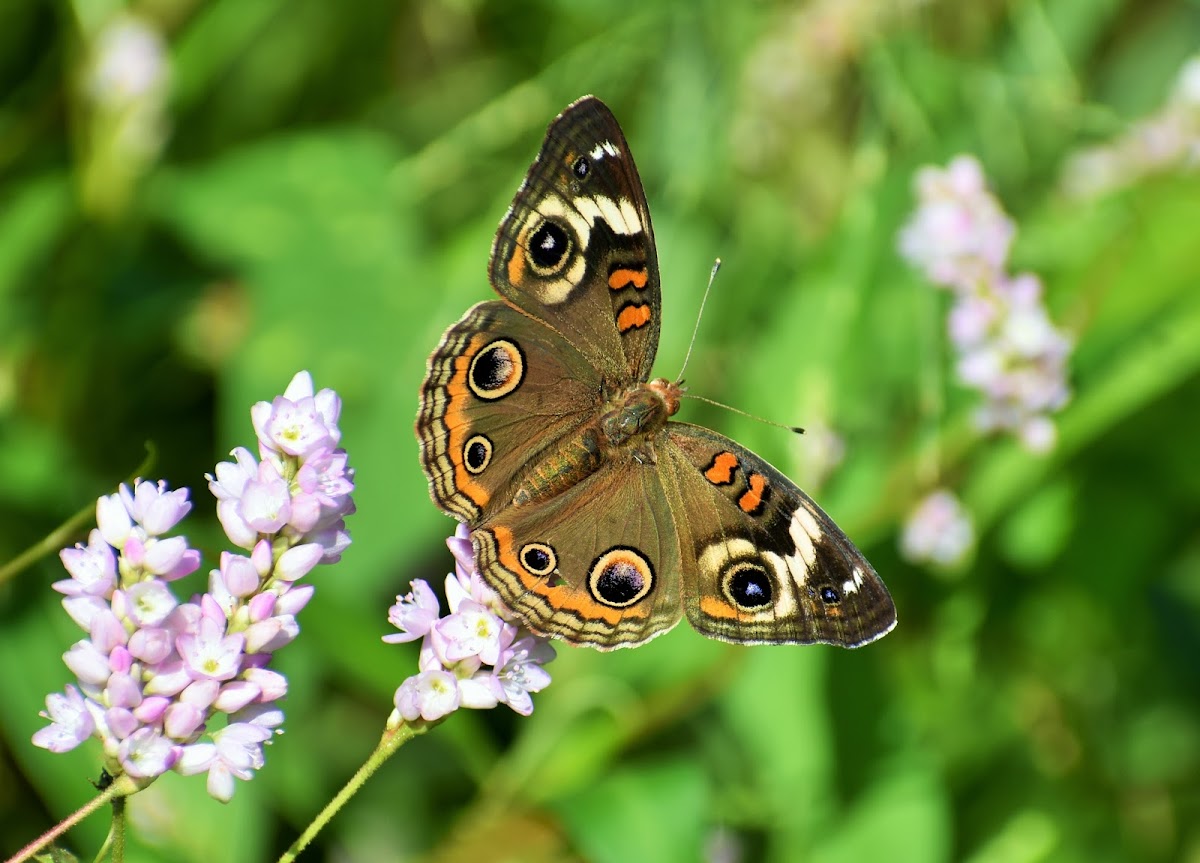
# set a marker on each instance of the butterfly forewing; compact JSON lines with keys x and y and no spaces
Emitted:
{"x":496,"y":376}
{"x":576,"y":248}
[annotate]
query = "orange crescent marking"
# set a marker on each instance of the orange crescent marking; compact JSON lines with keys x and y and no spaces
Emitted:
{"x":516,"y":265}
{"x":619,"y":279}
{"x":633,"y":316}
{"x":753,"y":498}
{"x":559,"y":597}
{"x":721,"y":471}
{"x":458,"y":425}
{"x":714,"y":607}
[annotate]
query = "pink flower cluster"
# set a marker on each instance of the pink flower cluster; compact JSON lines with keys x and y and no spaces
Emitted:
{"x":938,"y":531}
{"x":475,"y":656}
{"x":153,"y":673}
{"x":1166,"y":140}
{"x":1008,"y":348}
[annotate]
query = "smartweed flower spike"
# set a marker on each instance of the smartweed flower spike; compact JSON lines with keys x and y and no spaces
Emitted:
{"x":186,"y":686}
{"x":477,"y":655}
{"x":1166,"y":140}
{"x":1008,"y":348}
{"x":939,"y":531}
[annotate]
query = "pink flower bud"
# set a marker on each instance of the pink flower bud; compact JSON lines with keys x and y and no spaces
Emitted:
{"x":151,"y":710}
{"x":293,"y":601}
{"x":273,"y":684}
{"x":121,"y":722}
{"x":151,"y":645}
{"x":169,"y":678}
{"x":259,"y":635}
{"x":201,"y":693}
{"x":261,"y":606}
{"x":87,"y":663}
{"x":123,"y":691}
{"x":262,"y":557}
{"x":113,"y":521}
{"x":235,"y":695}
{"x":106,"y":632}
{"x":239,"y":573}
{"x":134,"y":551}
{"x":120,"y":660}
{"x":84,"y":609}
{"x":181,"y":720}
{"x":298,"y":561}
{"x":236,"y":528}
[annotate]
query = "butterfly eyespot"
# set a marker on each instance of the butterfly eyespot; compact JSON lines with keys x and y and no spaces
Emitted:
{"x":581,"y":168}
{"x":829,"y":596}
{"x":539,"y":558}
{"x":747,"y":585}
{"x":620,"y":577}
{"x":477,"y":454}
{"x":549,"y":248}
{"x":496,"y":370}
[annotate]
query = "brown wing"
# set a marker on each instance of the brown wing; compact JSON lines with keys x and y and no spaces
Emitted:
{"x":499,"y":389}
{"x":598,"y":564}
{"x":576,"y":248}
{"x":762,"y":562}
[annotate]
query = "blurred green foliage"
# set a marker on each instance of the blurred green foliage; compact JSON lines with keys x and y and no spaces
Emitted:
{"x":315,"y":185}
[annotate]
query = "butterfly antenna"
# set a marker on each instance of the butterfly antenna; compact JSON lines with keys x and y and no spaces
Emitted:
{"x":747,"y":414}
{"x":711,"y":278}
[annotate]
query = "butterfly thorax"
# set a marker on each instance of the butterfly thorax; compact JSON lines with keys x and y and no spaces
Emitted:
{"x":638,"y":413}
{"x":627,"y":426}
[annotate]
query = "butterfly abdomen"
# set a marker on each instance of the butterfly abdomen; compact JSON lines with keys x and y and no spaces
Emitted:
{"x":575,"y":459}
{"x":629,"y":426}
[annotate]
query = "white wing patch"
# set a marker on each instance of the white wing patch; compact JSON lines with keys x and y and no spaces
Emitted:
{"x":603,"y":149}
{"x":852,"y":585}
{"x":620,"y":215}
{"x":802,"y":531}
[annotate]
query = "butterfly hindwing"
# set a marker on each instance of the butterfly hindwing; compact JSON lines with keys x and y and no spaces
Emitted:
{"x":762,"y":562}
{"x":598,"y":564}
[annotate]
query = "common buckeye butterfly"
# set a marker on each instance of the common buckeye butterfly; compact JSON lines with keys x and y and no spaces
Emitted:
{"x":594,"y":517}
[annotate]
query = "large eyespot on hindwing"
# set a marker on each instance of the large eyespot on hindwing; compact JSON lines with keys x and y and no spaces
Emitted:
{"x":620,"y":577}
{"x":496,"y":370}
{"x":477,"y":454}
{"x":539,"y":558}
{"x":747,"y":585}
{"x":751,"y":582}
{"x":549,"y":248}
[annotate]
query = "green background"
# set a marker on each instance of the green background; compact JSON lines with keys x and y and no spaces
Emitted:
{"x":325,"y":199}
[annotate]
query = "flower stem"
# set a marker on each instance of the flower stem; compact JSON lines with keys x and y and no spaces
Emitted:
{"x":65,"y":532}
{"x":392,"y":740}
{"x":121,"y":787}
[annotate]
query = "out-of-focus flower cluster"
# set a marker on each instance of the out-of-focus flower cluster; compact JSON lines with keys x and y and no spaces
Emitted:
{"x":1007,"y":347}
{"x":1167,"y":140}
{"x":939,"y":531}
{"x":475,"y":656}
{"x":153,"y":673}
{"x":124,"y":87}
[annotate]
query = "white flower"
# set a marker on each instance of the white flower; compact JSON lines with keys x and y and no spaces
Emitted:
{"x":429,"y":695}
{"x":71,"y":723}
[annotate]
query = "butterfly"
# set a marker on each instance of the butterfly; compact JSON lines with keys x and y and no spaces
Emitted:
{"x":595,"y":517}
